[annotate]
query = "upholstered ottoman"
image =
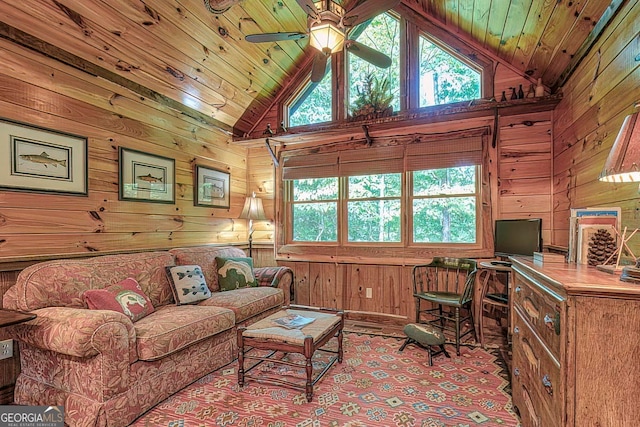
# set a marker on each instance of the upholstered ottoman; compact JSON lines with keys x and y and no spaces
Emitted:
{"x":425,"y":336}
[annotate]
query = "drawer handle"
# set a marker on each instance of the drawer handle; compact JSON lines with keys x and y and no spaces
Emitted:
{"x":553,"y":322}
{"x":547,"y":385}
{"x":518,"y":289}
{"x":516,"y":330}
{"x":516,"y":372}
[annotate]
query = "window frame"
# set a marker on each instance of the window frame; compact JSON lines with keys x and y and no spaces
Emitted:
{"x":402,"y":53}
{"x":478,"y":215}
{"x":346,"y":199}
{"x":406,"y":215}
{"x":452,"y":52}
{"x":289,"y":203}
{"x":411,"y":29}
{"x":302,"y":91}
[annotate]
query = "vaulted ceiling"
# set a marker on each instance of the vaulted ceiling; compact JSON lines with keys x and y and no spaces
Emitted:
{"x":192,"y":54}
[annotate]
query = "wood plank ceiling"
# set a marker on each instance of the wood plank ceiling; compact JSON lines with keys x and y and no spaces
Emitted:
{"x":199,"y":62}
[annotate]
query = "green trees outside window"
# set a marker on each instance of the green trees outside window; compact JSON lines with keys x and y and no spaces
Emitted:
{"x":443,"y":207}
{"x":383,"y":34}
{"x":314,"y":208}
{"x":314,"y":103}
{"x":374,"y":208}
{"x":444,"y":78}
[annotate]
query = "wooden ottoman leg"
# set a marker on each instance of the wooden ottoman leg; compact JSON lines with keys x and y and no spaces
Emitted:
{"x":240,"y":357}
{"x":308,"y":354}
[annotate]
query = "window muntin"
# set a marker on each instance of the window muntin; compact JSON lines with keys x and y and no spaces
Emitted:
{"x":445,"y":205}
{"x":383,"y":34}
{"x":314,"y":210}
{"x":313,"y":104}
{"x":374,"y":207}
{"x":444,"y":78}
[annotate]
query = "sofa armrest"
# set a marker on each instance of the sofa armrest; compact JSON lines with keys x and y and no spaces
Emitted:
{"x":79,"y":332}
{"x":277,"y":277}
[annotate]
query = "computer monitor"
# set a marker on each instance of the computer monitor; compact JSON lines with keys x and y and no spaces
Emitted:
{"x":517,"y":236}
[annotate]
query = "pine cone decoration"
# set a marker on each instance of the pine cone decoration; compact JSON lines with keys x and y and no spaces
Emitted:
{"x":601,"y":247}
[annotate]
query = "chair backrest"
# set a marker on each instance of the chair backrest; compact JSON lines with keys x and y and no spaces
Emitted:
{"x":443,"y":274}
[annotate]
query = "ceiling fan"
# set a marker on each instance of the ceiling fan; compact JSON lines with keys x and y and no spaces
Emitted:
{"x":329,"y":26}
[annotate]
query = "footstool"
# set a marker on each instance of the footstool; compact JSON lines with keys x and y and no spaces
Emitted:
{"x":425,"y":336}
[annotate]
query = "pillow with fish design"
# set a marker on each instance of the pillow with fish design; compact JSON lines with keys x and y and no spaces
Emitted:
{"x":235,"y":273}
{"x":126,"y":297}
{"x":188,"y":284}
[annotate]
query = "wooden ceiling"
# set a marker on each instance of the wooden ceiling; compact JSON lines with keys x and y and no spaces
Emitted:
{"x":198,"y":61}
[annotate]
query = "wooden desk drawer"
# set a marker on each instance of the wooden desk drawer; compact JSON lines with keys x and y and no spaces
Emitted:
{"x":537,"y":374}
{"x":542,"y":309}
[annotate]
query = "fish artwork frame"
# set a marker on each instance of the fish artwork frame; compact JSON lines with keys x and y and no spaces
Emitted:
{"x":42,"y":160}
{"x":146,"y":177}
{"x":212,"y":187}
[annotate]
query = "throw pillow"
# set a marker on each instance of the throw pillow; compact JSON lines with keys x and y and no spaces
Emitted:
{"x":188,"y":284}
{"x":235,"y":273}
{"x":127,"y":297}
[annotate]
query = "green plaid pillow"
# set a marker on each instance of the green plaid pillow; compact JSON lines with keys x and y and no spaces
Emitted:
{"x":235,"y":273}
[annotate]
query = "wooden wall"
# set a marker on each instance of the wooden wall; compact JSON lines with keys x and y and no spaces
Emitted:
{"x":524,"y":169}
{"x":519,"y":186}
{"x":44,"y":92}
{"x":597,"y":97}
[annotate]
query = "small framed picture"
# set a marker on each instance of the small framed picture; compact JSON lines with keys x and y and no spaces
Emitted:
{"x":42,"y":160}
{"x":146,"y":177}
{"x":211,"y":188}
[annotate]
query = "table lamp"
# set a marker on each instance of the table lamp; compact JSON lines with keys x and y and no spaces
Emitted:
{"x":252,"y":210}
{"x":623,"y":165}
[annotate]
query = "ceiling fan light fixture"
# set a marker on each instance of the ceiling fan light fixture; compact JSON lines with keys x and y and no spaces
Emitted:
{"x":326,"y":37}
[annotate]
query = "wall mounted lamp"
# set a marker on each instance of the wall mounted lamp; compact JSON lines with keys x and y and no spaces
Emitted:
{"x":252,"y":210}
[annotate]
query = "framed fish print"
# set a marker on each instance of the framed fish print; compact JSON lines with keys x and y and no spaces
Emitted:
{"x":211,"y":188}
{"x":42,"y":160}
{"x":146,"y":177}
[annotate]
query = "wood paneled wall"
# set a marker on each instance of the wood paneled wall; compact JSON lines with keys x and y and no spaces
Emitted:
{"x":43,"y":92}
{"x":519,"y":168}
{"x":598,"y":96}
{"x":524,"y":169}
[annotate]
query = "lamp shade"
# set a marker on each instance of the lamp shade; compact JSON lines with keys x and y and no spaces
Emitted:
{"x":253,"y":209}
{"x":622,"y":165}
{"x":326,"y":37}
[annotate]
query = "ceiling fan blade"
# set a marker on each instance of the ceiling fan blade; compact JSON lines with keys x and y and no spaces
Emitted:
{"x":309,"y":8}
{"x":370,"y":55}
{"x":274,"y":37}
{"x":319,"y":67}
{"x":367,"y":10}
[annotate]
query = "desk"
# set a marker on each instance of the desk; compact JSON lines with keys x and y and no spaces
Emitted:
{"x":487,"y":275}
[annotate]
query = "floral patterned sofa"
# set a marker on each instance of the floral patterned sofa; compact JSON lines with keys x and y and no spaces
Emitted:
{"x":103,"y":368}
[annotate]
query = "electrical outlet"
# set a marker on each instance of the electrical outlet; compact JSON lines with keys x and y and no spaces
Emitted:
{"x":369,"y":293}
{"x":6,"y":349}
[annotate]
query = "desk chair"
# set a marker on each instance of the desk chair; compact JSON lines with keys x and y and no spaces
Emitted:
{"x":446,"y":282}
{"x":488,"y":273}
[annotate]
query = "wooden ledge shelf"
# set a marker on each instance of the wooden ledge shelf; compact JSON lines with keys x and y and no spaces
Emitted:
{"x":393,"y":125}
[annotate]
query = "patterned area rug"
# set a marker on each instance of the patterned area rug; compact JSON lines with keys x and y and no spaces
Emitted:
{"x":375,"y":385}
